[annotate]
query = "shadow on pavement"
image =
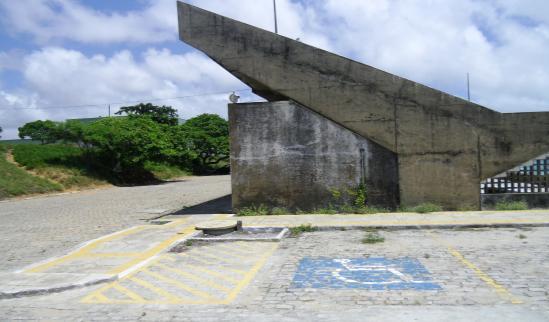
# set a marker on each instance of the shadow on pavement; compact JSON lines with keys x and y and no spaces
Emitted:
{"x":215,"y":206}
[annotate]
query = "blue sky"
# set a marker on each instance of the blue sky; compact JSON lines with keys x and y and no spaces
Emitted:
{"x":59,"y":54}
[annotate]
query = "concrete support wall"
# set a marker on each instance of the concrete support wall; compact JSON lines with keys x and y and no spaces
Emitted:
{"x":285,"y":155}
{"x":445,"y":145}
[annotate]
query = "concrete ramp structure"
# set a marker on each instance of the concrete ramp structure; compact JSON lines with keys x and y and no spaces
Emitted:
{"x":442,"y":145}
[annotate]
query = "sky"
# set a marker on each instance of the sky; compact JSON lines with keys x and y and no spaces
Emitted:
{"x":62,"y":59}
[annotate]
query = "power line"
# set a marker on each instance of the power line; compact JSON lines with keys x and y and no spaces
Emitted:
{"x":102,"y":105}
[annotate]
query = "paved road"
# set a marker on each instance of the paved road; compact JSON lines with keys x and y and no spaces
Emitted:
{"x":38,"y":228}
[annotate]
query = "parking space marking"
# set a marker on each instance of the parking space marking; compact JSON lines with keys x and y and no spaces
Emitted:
{"x":86,"y":251}
{"x":187,"y":278}
{"x":372,"y":273}
{"x":500,"y":289}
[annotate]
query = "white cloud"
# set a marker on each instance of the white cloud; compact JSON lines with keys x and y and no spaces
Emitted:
{"x":502,"y":43}
{"x":438,"y":42}
{"x":53,"y":20}
{"x":56,"y":77}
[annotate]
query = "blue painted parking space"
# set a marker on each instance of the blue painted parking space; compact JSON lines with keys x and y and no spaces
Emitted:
{"x":374,"y":273}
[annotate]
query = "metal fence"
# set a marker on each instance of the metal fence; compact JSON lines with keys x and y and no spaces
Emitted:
{"x":533,"y":178}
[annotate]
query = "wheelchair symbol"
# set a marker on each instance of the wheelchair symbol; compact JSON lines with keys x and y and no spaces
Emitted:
{"x":370,"y":274}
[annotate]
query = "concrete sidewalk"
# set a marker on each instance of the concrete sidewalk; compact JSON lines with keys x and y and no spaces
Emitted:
{"x":405,"y":220}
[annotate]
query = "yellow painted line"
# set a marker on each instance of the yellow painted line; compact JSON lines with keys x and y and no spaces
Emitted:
{"x":214,"y":263}
{"x":180,"y":285}
{"x":218,"y":258}
{"x":229,"y":253}
{"x":249,"y":275}
{"x":169,"y":296}
{"x":153,"y":251}
{"x":500,"y":289}
{"x":96,"y":298}
{"x":175,"y":223}
{"x":210,"y":272}
{"x":250,"y":247}
{"x":237,"y":250}
{"x":98,"y":294}
{"x":83,"y":251}
{"x":112,"y":254}
{"x":193,"y":277}
{"x":134,"y":296}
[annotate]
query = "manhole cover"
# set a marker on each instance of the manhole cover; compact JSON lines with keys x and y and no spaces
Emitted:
{"x":217,"y":227}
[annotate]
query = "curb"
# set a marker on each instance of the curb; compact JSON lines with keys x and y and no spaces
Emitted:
{"x":420,"y":227}
{"x":30,"y":291}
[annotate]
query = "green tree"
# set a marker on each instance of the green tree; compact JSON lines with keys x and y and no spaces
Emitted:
{"x":0,"y":131}
{"x":207,"y":137}
{"x":124,"y":145}
{"x":160,"y":114}
{"x":43,"y":131}
{"x":73,"y":131}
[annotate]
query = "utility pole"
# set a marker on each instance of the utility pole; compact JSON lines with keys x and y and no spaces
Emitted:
{"x":468,"y":89}
{"x":276,"y":23}
{"x":109,"y":110}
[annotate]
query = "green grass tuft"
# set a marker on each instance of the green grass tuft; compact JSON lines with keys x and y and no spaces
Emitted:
{"x":373,"y":237}
{"x":305,"y":228}
{"x":162,"y":171}
{"x":511,"y":205}
{"x":260,"y":210}
{"x":423,"y":208}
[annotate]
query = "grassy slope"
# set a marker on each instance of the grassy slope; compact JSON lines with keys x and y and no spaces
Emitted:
{"x":60,"y":163}
{"x":15,"y":181}
{"x":57,"y":167}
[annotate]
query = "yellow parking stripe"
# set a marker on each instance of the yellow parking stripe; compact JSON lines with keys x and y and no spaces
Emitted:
{"x":236,"y":250}
{"x":250,"y":275}
{"x":165,"y":277}
{"x":248,"y":247}
{"x":207,"y":262}
{"x":193,"y":277}
{"x":216,"y":274}
{"x":97,"y":297}
{"x":83,"y":251}
{"x":128,"y":293}
{"x":500,"y":289}
{"x":225,"y":253}
{"x":154,"y":251}
{"x":180,"y":285}
{"x":218,"y":258}
{"x":157,"y":290}
{"x":112,"y":254}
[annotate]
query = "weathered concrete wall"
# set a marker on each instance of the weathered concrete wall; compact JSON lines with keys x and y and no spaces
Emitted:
{"x":445,"y":144}
{"x":285,"y":155}
{"x":534,"y":200}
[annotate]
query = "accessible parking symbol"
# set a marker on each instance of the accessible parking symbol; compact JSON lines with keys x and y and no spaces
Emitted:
{"x":374,"y":273}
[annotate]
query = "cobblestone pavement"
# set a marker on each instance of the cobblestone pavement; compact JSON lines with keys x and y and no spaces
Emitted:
{"x":38,"y":228}
{"x":483,"y":274}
